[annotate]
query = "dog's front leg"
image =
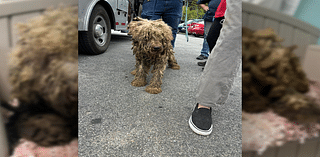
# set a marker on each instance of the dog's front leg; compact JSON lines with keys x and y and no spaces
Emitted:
{"x":141,"y":74}
{"x":134,"y":72}
{"x":155,"y":83}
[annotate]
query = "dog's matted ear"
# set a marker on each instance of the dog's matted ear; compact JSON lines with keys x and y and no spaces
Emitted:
{"x":133,"y":26}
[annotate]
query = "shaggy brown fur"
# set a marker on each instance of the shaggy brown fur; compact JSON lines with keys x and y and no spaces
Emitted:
{"x":273,"y":78}
{"x":44,"y":76}
{"x":151,"y":42}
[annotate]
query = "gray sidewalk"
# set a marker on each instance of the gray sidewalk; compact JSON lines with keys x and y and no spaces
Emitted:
{"x":117,"y":119}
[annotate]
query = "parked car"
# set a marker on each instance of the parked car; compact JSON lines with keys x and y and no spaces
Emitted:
{"x":197,"y":29}
{"x":194,"y":21}
{"x":182,"y":26}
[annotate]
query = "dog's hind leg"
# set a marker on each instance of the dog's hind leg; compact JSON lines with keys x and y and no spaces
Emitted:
{"x":141,"y":74}
{"x":155,"y":83}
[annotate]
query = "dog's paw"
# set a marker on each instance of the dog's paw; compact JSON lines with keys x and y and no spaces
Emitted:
{"x":153,"y":90}
{"x":174,"y":66}
{"x":139,"y":82}
{"x":46,"y":130}
{"x":134,"y":72}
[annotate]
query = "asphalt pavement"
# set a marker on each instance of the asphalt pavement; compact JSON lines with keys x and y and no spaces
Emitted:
{"x":117,"y":119}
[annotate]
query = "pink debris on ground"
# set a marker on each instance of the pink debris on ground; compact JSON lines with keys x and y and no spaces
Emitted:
{"x":31,"y":149}
{"x":267,"y":129}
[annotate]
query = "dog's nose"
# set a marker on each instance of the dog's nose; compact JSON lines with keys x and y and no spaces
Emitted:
{"x":156,"y":48}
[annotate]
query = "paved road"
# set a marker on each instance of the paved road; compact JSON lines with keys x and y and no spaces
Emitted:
{"x":117,"y":119}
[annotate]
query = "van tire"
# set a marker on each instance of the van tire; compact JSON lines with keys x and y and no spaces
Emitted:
{"x":97,"y":39}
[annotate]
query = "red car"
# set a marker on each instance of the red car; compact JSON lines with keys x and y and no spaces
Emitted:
{"x":197,"y":29}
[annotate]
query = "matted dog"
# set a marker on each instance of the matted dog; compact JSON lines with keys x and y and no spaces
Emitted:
{"x":43,"y":72}
{"x":151,"y":42}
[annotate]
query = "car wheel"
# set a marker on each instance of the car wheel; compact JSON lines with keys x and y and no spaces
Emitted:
{"x":97,"y":39}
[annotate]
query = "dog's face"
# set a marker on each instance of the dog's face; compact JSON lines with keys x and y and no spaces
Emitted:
{"x":153,"y":45}
{"x":152,"y":37}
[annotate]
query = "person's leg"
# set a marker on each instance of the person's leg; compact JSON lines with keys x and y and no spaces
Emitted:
{"x":219,"y":73}
{"x":172,"y":16}
{"x":206,"y":29}
{"x":213,"y":36}
{"x":223,"y":63}
{"x":205,"y":47}
{"x":214,"y":33}
{"x":150,"y":11}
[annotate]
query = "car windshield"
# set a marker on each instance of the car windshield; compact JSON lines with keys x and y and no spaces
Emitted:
{"x":190,"y":21}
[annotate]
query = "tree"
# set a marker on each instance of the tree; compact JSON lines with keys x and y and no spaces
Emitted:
{"x":194,"y":11}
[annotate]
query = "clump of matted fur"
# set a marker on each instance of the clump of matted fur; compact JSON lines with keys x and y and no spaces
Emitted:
{"x":44,"y":77}
{"x":151,"y":42}
{"x":273,"y":78}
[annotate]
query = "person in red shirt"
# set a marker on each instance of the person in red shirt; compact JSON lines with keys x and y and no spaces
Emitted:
{"x":215,"y":28}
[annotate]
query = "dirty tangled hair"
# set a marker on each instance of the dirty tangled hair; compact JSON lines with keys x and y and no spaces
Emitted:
{"x":44,"y":63}
{"x":151,"y":42}
{"x":147,"y":31}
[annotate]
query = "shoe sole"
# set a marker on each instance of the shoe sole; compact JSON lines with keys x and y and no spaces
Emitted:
{"x":199,"y":131}
{"x":202,"y":63}
{"x":201,"y":58}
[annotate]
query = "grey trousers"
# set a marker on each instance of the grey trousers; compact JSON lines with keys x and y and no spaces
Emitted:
{"x":224,"y":61}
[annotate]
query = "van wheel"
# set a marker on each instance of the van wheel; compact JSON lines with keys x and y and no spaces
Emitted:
{"x":97,"y":39}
